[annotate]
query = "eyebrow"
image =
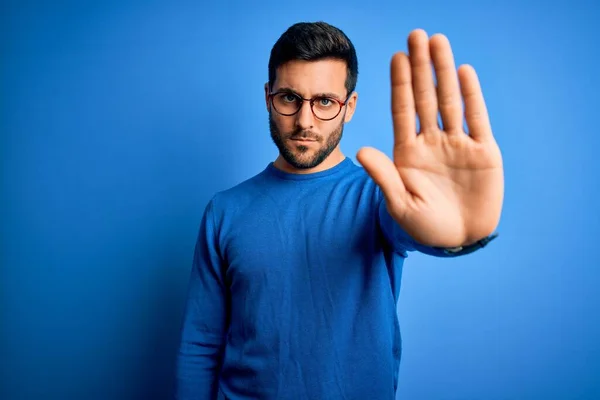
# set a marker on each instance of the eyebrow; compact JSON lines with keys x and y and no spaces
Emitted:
{"x":321,"y":94}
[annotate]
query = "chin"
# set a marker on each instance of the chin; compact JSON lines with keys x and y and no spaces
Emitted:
{"x":303,"y":161}
{"x":300,"y":163}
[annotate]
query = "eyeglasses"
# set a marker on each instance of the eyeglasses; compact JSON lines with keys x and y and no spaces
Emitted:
{"x":323,"y":107}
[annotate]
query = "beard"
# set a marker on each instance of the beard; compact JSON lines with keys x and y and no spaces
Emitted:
{"x":298,"y":156}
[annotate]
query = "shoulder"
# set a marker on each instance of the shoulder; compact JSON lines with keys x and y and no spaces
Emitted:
{"x":357,"y":176}
{"x":237,"y":197}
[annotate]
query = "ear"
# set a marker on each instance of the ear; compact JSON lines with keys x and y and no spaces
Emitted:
{"x":351,"y":107}
{"x":267,"y":96}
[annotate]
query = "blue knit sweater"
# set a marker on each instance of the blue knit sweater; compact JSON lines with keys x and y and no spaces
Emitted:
{"x":293,"y":291}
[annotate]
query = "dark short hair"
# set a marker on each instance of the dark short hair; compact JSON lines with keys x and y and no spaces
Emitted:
{"x":312,"y":41}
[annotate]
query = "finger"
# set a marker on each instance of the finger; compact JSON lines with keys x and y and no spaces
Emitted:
{"x":422,"y":76}
{"x":403,"y":103}
{"x":385,"y":174}
{"x":476,"y":114}
{"x":448,"y":89}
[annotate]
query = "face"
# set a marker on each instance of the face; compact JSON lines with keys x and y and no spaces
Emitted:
{"x":306,"y":143}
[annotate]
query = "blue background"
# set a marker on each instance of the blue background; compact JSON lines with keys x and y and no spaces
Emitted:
{"x":120,"y":120}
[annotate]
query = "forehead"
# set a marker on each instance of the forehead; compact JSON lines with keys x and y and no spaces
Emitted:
{"x":311,"y":77}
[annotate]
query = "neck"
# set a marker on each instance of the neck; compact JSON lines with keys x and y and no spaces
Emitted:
{"x":331,"y":161}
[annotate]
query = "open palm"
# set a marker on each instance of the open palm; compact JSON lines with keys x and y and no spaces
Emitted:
{"x":444,"y":186}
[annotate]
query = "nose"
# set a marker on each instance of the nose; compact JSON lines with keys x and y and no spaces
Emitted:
{"x":305,"y":117}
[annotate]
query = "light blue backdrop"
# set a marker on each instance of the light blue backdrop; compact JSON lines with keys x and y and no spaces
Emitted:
{"x":119,"y":121}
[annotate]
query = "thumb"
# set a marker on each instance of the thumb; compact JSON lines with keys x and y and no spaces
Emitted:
{"x":385,"y":174}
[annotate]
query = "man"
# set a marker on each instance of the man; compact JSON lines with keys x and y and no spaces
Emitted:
{"x":296,"y":271}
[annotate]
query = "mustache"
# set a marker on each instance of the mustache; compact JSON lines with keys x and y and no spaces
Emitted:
{"x":300,"y":134}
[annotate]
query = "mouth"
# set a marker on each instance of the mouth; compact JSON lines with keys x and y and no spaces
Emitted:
{"x":302,"y":140}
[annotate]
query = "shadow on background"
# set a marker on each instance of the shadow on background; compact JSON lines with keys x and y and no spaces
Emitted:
{"x":161,"y":303}
{"x":112,"y":143}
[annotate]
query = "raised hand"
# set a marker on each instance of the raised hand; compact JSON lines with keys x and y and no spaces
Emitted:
{"x":445,"y":186}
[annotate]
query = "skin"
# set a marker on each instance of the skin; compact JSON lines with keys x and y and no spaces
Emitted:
{"x":443,"y":185}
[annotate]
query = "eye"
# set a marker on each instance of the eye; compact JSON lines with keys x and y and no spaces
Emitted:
{"x":289,"y":98}
{"x":324,"y":102}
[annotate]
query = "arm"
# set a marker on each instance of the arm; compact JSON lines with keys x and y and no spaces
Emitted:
{"x":205,"y":319}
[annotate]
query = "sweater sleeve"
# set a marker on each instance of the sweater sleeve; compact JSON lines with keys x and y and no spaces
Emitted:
{"x":205,"y":318}
{"x":402,"y":242}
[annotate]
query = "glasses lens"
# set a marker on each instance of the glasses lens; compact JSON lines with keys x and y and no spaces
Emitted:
{"x":286,"y":103}
{"x":326,"y":108}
